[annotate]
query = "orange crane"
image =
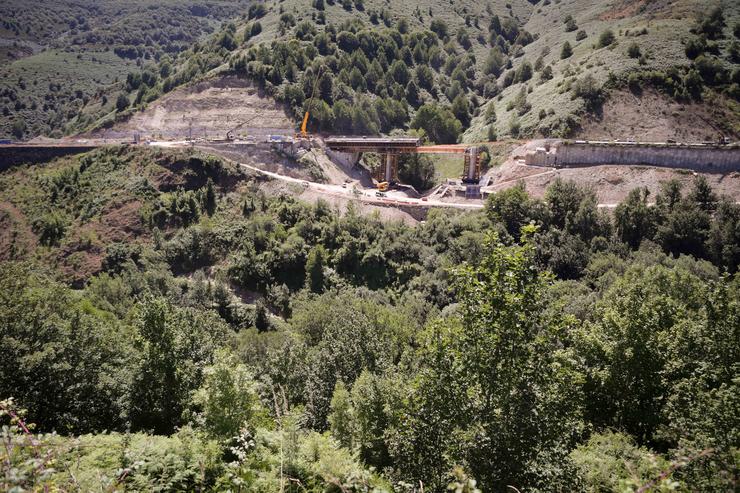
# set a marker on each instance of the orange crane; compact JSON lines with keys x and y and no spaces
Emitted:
{"x":303,"y":133}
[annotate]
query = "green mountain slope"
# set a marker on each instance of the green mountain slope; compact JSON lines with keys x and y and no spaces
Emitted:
{"x":58,"y":57}
{"x":171,"y":322}
{"x":499,"y":69}
{"x":504,"y":62}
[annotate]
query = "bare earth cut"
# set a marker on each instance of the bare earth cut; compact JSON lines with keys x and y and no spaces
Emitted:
{"x":208,"y":109}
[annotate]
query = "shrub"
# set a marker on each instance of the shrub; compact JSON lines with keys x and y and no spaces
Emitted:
{"x":494,"y":62}
{"x":256,"y":11}
{"x":734,"y":52}
{"x":588,"y":89}
{"x":490,"y":115}
{"x":634,"y":51}
{"x":711,"y":25}
{"x":734,"y":91}
{"x":228,"y":398}
{"x":610,"y":460}
{"x":566,"y":52}
{"x":439,"y":27}
{"x":227,"y":40}
{"x":693,"y":83}
{"x":305,"y":30}
{"x":546,"y":73}
{"x":710,"y":69}
{"x":50,"y":228}
{"x":424,"y":76}
{"x":606,"y":38}
{"x":461,"y":109}
{"x":520,"y":102}
{"x":491,"y":136}
{"x":514,"y":128}
{"x":122,"y":102}
{"x":523,"y":72}
{"x":19,"y":129}
{"x":633,"y":82}
{"x":255,"y":29}
{"x":694,"y":47}
{"x":463,"y":38}
{"x":580,"y":35}
{"x":570,"y":25}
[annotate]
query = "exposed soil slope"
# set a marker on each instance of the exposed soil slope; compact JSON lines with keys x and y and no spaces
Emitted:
{"x":612,"y":184}
{"x":652,"y":116}
{"x":207,"y":109}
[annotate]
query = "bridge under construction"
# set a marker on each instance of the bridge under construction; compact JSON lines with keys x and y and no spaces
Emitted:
{"x":391,"y":147}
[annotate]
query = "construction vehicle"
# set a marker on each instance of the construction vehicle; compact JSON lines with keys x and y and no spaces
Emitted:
{"x":230,"y":133}
{"x":383,"y":186}
{"x":303,"y":134}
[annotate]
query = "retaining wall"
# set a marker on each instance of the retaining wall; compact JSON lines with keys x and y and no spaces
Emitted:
{"x":699,"y":157}
{"x":346,"y":159}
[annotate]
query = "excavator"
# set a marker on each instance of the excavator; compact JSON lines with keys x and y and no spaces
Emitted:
{"x":230,"y":133}
{"x":303,"y":134}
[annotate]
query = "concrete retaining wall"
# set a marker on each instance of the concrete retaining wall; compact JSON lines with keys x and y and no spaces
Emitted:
{"x":699,"y":157}
{"x":346,"y":159}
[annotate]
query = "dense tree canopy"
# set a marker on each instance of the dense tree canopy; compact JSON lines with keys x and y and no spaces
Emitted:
{"x":532,"y":344}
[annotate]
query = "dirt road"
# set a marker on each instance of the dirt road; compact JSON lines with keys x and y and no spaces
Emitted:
{"x":368,"y":196}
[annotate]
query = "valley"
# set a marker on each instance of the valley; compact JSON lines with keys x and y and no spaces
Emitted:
{"x":329,"y":246}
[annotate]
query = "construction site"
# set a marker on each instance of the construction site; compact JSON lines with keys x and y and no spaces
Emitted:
{"x":334,"y":165}
{"x":231,"y":118}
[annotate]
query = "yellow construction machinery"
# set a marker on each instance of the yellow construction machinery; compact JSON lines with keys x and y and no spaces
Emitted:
{"x":383,"y":186}
{"x":303,"y":134}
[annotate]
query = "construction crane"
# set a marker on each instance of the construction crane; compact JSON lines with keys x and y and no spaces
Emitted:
{"x":230,"y":133}
{"x":303,"y":134}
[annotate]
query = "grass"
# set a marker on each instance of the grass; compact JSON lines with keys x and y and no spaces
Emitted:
{"x":666,"y":29}
{"x":55,"y":85}
{"x":448,"y":166}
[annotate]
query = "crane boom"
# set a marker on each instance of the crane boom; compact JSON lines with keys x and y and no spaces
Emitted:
{"x":303,"y":125}
{"x":230,"y":133}
{"x":304,"y":133}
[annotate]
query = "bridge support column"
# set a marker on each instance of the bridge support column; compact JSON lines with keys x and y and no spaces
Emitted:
{"x":391,"y":167}
{"x":471,"y":171}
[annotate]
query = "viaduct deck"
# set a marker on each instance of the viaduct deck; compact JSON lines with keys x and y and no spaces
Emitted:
{"x":383,"y":145}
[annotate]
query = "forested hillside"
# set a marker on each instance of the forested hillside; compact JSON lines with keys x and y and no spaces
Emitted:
{"x":173,"y":320}
{"x":180,"y":326}
{"x":473,"y":71}
{"x":62,"y":60}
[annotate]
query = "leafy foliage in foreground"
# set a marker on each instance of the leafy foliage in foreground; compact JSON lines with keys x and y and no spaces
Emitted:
{"x":537,"y":343}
